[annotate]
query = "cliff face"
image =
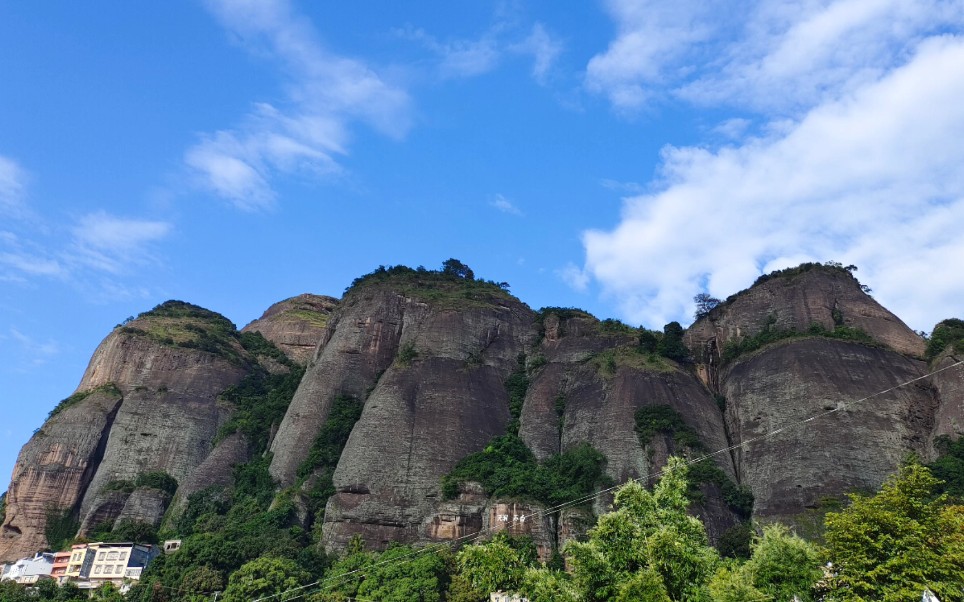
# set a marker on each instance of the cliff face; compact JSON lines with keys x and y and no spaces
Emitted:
{"x":590,"y":389}
{"x":425,"y":358}
{"x":148,"y":402}
{"x":822,"y":345}
{"x":429,"y":365}
{"x":295,"y":325}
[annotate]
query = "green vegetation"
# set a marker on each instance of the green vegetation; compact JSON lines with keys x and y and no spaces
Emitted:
{"x":771,"y":334}
{"x":790,"y":273}
{"x":406,"y":354}
{"x":780,"y":567}
{"x":949,"y":466}
{"x":127,"y":530}
{"x":319,"y":466}
{"x":891,"y":545}
{"x":180,"y":324}
{"x":315,"y":318}
{"x":648,"y":548}
{"x":265,"y":576}
{"x":517,"y":385}
{"x":107,"y":389}
{"x":947,"y":333}
{"x":44,"y":590}
{"x":662,"y":419}
{"x":506,"y":468}
{"x":261,"y":400}
{"x":452,"y":286}
{"x":157,"y":479}
{"x":60,"y":528}
{"x":223,"y":529}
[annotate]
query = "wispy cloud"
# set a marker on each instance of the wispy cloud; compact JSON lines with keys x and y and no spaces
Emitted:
{"x":12,"y":183}
{"x":792,"y":56}
{"x":34,"y":353}
{"x":325,"y":94}
{"x":544,"y":48}
{"x":505,"y":205}
{"x":652,"y":41}
{"x":769,"y":56}
{"x":471,"y":57}
{"x":871,"y":177}
{"x":114,"y":244}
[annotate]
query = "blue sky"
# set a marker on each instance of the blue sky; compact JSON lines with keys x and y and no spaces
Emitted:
{"x":619,"y":156}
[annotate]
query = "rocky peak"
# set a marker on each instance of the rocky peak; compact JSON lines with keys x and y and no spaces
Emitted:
{"x":296,"y":324}
{"x":811,"y":296}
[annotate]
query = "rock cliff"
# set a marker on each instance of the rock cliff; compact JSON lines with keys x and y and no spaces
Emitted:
{"x":295,"y":325}
{"x":414,"y":370}
{"x":148,"y":402}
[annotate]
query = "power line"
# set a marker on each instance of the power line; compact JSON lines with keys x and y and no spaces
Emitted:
{"x":659,"y":473}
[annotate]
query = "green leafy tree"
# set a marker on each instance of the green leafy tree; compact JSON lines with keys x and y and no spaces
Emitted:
{"x":544,"y":585}
{"x":13,"y":592}
{"x":892,"y":545}
{"x":492,"y":566}
{"x":107,"y":593}
{"x":648,"y":548}
{"x":454,"y":267}
{"x":733,"y":584}
{"x":265,"y":576}
{"x":407,"y":574}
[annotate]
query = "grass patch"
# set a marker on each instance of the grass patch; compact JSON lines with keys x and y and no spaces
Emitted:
{"x":314,"y":318}
{"x":608,"y":362}
{"x":771,"y":334}
{"x":108,"y":389}
{"x":440,"y":288}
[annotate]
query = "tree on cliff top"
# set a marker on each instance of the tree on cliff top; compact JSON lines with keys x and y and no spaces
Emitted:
{"x":454,"y":267}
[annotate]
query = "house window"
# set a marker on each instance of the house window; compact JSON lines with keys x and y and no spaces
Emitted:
{"x":112,"y":556}
{"x":119,"y":569}
{"x":123,"y":555}
{"x":97,"y":569}
{"x":100,"y":556}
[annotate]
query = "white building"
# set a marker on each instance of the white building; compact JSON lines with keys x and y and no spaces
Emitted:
{"x":29,"y":570}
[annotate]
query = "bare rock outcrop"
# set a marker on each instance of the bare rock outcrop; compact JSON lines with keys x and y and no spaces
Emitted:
{"x":148,"y":402}
{"x":440,"y":398}
{"x":949,"y":387}
{"x":856,"y":441}
{"x":795,"y":299}
{"x":295,"y":325}
{"x":54,"y":468}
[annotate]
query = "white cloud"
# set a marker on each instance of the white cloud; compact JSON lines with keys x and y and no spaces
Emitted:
{"x":12,"y":179}
{"x":795,"y":55}
{"x":471,"y":57}
{"x":113,"y":244}
{"x":770,"y":56}
{"x":505,"y":205}
{"x":651,"y":41}
{"x":326,"y":93}
{"x":544,"y":48}
{"x":871,"y":178}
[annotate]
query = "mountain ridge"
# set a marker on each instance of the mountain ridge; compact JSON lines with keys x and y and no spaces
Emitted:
{"x":426,"y":357}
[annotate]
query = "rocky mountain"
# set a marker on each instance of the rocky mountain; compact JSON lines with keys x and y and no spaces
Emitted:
{"x":417,"y":374}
